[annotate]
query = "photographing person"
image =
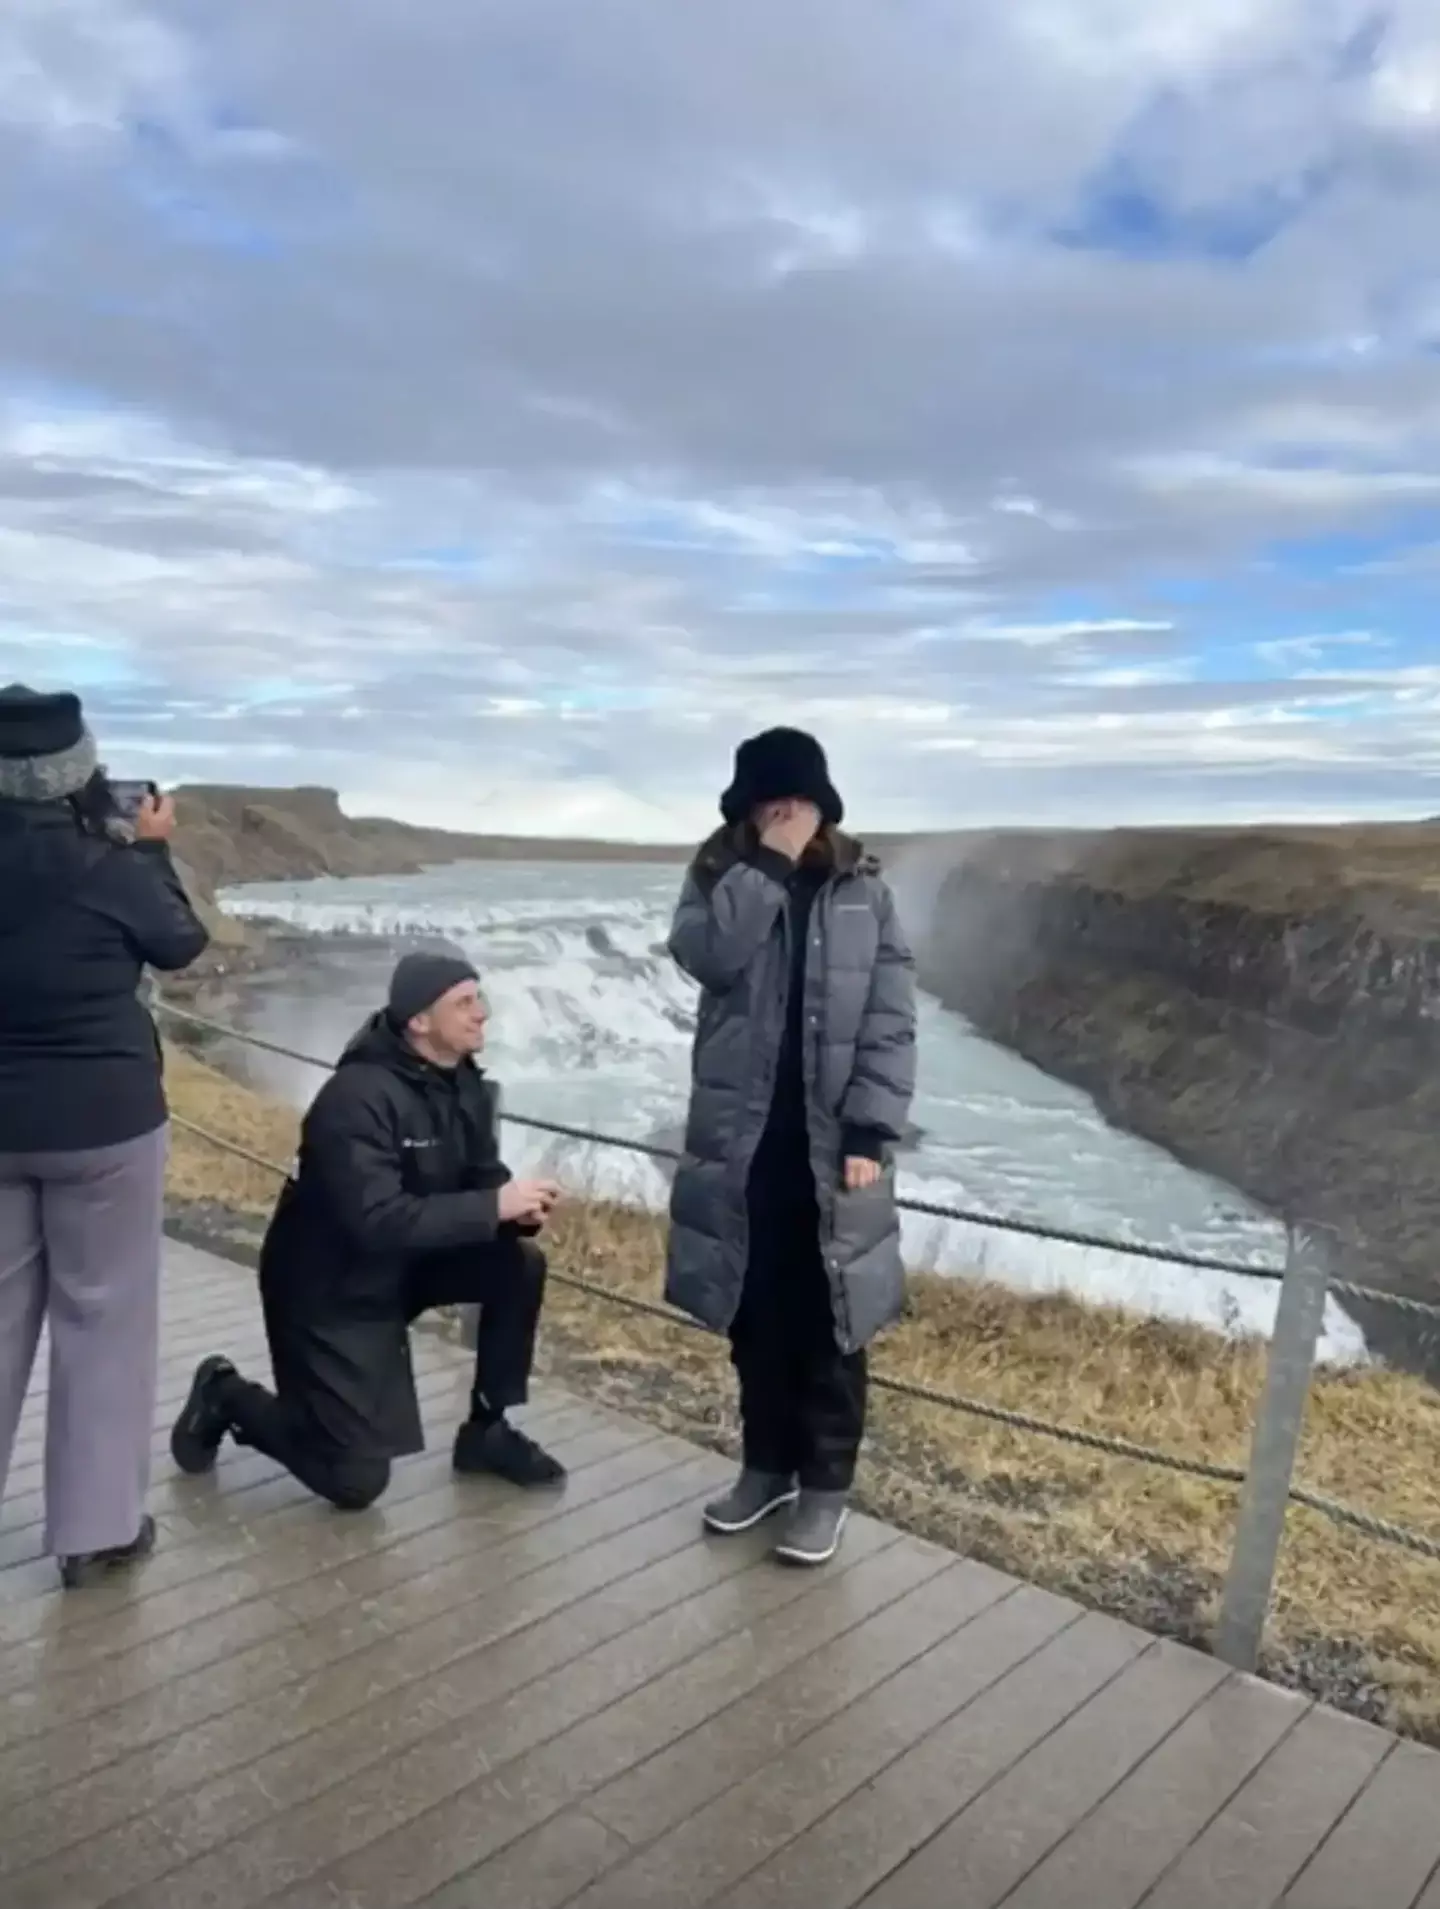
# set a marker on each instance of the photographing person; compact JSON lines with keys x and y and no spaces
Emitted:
{"x":784,"y":1230}
{"x":88,"y":900}
{"x":399,"y":1202}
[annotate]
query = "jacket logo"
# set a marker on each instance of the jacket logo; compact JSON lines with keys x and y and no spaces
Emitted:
{"x":417,"y":1146}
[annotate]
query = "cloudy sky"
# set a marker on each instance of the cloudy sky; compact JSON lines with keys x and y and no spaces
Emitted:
{"x":496,"y":408}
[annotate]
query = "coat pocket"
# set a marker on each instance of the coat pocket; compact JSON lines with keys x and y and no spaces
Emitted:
{"x":863,"y":1216}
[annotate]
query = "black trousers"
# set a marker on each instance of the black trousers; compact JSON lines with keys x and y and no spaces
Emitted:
{"x":802,"y":1400}
{"x":507,"y":1282}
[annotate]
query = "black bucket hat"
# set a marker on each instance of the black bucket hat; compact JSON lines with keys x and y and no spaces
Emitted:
{"x":777,"y":765}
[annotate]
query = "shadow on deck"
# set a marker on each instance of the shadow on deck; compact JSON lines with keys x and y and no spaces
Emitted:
{"x":466,"y":1696}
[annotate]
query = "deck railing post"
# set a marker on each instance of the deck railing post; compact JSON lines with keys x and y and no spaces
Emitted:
{"x":1260,"y":1527}
{"x":469,"y":1327}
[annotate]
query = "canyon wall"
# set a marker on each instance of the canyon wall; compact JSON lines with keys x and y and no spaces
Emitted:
{"x":1264,"y":1004}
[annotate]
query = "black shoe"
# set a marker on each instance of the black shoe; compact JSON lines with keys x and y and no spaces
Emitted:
{"x":498,"y":1448}
{"x":89,"y":1567}
{"x":202,"y":1424}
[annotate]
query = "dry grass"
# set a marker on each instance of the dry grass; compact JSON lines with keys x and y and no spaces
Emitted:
{"x":1356,"y":1621}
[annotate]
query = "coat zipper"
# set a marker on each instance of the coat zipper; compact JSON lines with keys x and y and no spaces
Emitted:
{"x":838,"y":1291}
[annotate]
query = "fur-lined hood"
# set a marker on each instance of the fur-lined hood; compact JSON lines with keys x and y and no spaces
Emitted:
{"x":846,"y":854}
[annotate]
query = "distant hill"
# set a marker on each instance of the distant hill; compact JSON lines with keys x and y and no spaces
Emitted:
{"x":229,"y":834}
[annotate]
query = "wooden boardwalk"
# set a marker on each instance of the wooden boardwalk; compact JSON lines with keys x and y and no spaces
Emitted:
{"x":469,"y":1697}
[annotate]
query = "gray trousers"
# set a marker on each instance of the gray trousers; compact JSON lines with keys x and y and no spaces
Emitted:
{"x":80,"y":1248}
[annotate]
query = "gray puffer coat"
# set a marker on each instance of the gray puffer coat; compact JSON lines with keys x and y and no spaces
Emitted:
{"x":731,"y":934}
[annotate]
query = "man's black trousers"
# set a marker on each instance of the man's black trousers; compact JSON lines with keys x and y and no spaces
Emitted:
{"x":506,"y":1280}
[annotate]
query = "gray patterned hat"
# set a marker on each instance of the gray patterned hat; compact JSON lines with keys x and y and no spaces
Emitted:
{"x":46,"y":752}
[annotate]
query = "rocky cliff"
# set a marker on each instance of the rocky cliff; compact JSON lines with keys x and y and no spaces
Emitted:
{"x":231,"y":834}
{"x":1265,"y":1004}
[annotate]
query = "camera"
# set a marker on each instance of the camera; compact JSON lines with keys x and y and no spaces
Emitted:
{"x":130,"y":797}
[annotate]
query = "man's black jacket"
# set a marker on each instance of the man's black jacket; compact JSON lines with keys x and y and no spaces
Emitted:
{"x":398,"y":1159}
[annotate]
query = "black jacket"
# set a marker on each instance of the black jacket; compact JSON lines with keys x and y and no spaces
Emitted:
{"x":80,"y":919}
{"x":782,"y":1185}
{"x":398,"y":1160}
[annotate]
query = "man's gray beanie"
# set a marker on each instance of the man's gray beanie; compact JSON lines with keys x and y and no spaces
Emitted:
{"x":420,"y":979}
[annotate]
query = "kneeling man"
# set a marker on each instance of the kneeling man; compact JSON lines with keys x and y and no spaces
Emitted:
{"x":398,"y":1202}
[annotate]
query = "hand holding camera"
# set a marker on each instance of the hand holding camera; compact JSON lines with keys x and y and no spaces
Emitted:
{"x":155,"y":818}
{"x":141,"y":806}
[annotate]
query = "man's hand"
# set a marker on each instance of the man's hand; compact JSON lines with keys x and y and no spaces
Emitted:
{"x":789,"y":827}
{"x":860,"y":1172}
{"x":527,"y":1202}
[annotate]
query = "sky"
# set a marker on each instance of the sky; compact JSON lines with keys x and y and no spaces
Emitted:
{"x":496,"y":409}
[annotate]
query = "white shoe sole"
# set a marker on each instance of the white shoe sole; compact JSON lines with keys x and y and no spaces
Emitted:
{"x":730,"y":1528}
{"x":792,"y":1554}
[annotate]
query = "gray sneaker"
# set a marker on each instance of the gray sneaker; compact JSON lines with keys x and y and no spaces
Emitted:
{"x":814,"y":1528}
{"x":754,"y":1497}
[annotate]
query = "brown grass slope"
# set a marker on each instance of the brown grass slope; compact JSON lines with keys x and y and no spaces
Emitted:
{"x":1355,"y":1622}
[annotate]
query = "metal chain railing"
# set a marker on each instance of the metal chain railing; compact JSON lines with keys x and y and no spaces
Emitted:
{"x":1382,"y":1529}
{"x":908,"y":1203}
{"x":648,"y":1150}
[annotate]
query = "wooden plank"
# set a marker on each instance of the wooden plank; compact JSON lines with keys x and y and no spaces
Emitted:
{"x":380,"y":1831}
{"x":230,"y":1496}
{"x":847,"y":1853}
{"x":1125,"y":1845}
{"x":323,"y":1753}
{"x":673,"y":1786}
{"x":41,"y":1764}
{"x":143,"y":1779}
{"x":443,"y":1396}
{"x":719,"y":1845}
{"x":1273,"y":1825}
{"x":864,"y":1606}
{"x":543,"y":1870}
{"x":413,"y":1669}
{"x":229,"y":1507}
{"x":1429,"y":1897}
{"x":278,"y":1545}
{"x":1011,"y":1827}
{"x":1383,"y":1851}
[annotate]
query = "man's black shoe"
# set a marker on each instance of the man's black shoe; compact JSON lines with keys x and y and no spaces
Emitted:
{"x":496,"y":1447}
{"x":202,"y":1424}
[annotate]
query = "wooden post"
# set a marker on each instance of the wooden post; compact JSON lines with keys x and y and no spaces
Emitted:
{"x":1260,"y":1527}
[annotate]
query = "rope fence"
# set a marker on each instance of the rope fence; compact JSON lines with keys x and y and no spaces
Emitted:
{"x":929,"y":1209}
{"x":1347,"y":1516}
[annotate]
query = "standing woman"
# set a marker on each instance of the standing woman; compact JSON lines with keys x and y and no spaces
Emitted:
{"x":83,"y":910}
{"x":784,"y":1230}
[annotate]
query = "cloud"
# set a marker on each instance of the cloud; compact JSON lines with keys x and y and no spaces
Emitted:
{"x":1037,"y":400}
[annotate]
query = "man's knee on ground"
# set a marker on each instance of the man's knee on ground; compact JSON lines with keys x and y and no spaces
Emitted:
{"x":355,"y":1486}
